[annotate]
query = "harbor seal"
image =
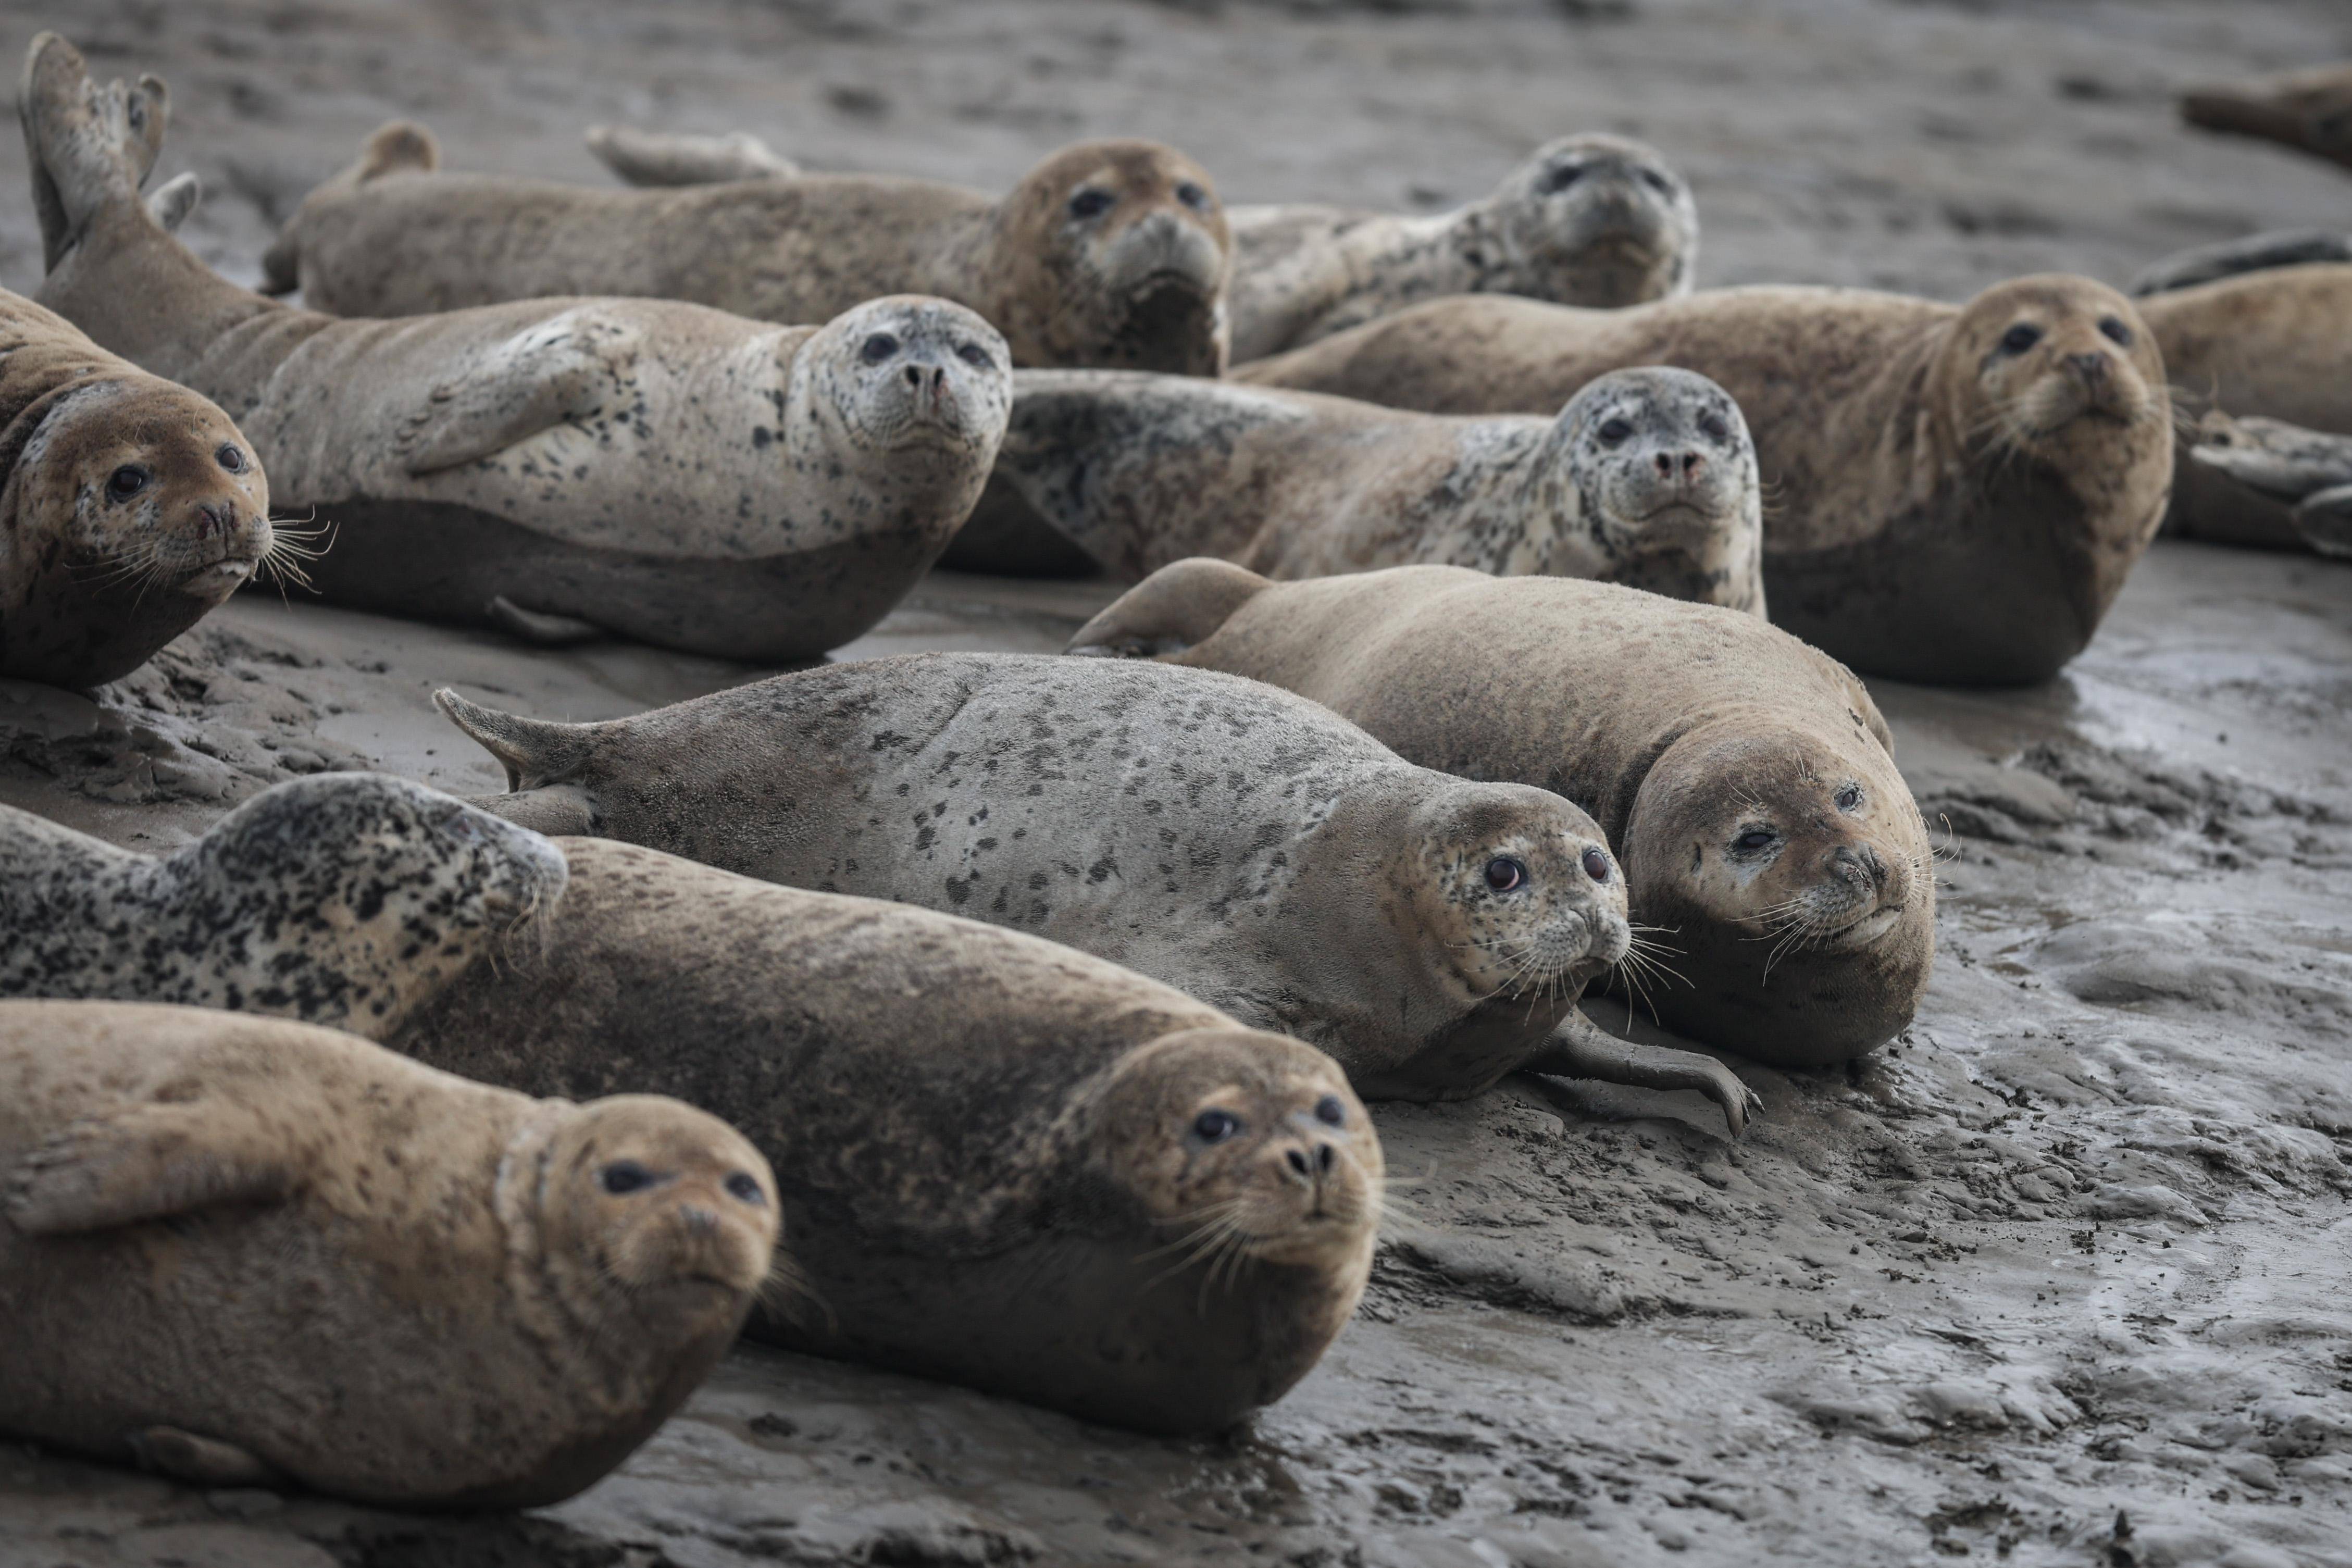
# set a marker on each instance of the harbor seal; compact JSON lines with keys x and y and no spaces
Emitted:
{"x":341,"y":898}
{"x":1592,"y":220}
{"x":1108,"y":253}
{"x":2233,"y":258}
{"x":2310,"y":110}
{"x":1958,"y":492}
{"x":245,"y":1251}
{"x":129,"y":507}
{"x":1747,"y":780}
{"x":999,"y":1161}
{"x":557,"y":467}
{"x":1247,"y":847}
{"x":2266,"y":483}
{"x":1647,"y":478}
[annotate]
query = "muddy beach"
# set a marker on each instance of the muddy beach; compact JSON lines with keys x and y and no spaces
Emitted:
{"x":2062,"y":1277}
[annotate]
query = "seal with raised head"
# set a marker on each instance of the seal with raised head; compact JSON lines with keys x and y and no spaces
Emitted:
{"x":1958,"y":491}
{"x":341,"y":898}
{"x":129,"y":507}
{"x":1747,"y":780}
{"x":1647,"y":478}
{"x":1245,"y":845}
{"x":1108,"y":253}
{"x":999,"y":1161}
{"x":557,"y":467}
{"x":1593,"y":220}
{"x":244,"y":1251}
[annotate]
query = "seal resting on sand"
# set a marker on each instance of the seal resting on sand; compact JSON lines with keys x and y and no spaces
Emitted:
{"x":244,"y":1251}
{"x":1958,"y":493}
{"x":1747,"y":780}
{"x":558,"y":468}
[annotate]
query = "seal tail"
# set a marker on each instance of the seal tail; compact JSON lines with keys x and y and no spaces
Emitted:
{"x":394,"y":147}
{"x":1180,"y":604}
{"x":88,"y":146}
{"x":534,"y":752}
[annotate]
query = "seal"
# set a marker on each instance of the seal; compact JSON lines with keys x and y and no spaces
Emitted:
{"x":558,"y":468}
{"x":1591,"y":220}
{"x":1141,"y":1212}
{"x":1247,"y":847}
{"x":342,"y":898}
{"x":1958,"y":492}
{"x":129,"y":507}
{"x":2231,"y":258}
{"x":1747,"y":780}
{"x":2266,"y":483}
{"x":246,"y":1251}
{"x":1647,"y":478}
{"x":2310,"y":110}
{"x":1108,"y":253}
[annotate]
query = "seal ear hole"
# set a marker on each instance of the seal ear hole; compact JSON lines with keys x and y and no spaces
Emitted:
{"x":1214,"y":1126}
{"x":2113,"y":330}
{"x":1849,"y":798}
{"x":1596,"y":863}
{"x":1330,"y":1111}
{"x":1615,"y":432}
{"x":1091,"y":201}
{"x":877,"y":348}
{"x":1192,"y":195}
{"x":2019,"y":338}
{"x":744,"y":1187}
{"x":230,"y":459}
{"x":1505,"y":873}
{"x":126,"y":481}
{"x":623,"y":1177}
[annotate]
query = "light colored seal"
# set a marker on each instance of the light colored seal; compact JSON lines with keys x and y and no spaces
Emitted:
{"x":999,"y":1162}
{"x":129,"y":507}
{"x":1958,"y":493}
{"x":244,"y":1250}
{"x":1108,"y":253}
{"x":2267,"y":483}
{"x":2308,"y":109}
{"x":1591,"y":220}
{"x":342,"y":898}
{"x":1746,"y":779}
{"x":1236,"y":842}
{"x":1647,"y":478}
{"x":557,"y":467}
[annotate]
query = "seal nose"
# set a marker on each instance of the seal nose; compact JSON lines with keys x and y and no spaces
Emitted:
{"x":2092,"y":367}
{"x":1683,"y":467}
{"x":1855,"y":866}
{"x":1313,"y":1164}
{"x":212,"y":519}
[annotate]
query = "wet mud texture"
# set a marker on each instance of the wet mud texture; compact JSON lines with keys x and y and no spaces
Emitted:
{"x":2063,"y":1277}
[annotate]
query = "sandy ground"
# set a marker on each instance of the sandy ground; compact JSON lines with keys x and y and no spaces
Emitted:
{"x":2061,"y":1277}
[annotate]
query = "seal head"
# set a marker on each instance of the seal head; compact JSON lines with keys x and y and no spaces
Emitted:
{"x":1595,"y":220}
{"x":911,"y":376}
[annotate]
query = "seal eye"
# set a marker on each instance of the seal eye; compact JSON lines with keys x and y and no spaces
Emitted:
{"x":1714,"y":428}
{"x":2019,"y":338}
{"x":1755,"y":841}
{"x":232,"y":459}
{"x":1215,"y":1126}
{"x":1613,"y":432}
{"x":622,"y":1176}
{"x":877,"y":348}
{"x":745,"y":1188}
{"x":1655,"y":181}
{"x":1091,"y":203}
{"x":1596,"y":864}
{"x":974,"y":356}
{"x":1192,"y":197}
{"x":1849,"y":798}
{"x":1330,"y":1112}
{"x":2113,"y":330}
{"x":1558,"y":179}
{"x":1503,"y":873}
{"x":126,"y":481}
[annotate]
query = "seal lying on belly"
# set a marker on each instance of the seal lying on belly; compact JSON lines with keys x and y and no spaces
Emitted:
{"x":1242,"y":844}
{"x":999,"y":1161}
{"x":557,"y":467}
{"x":1108,"y":253}
{"x":244,"y":1251}
{"x":129,"y":507}
{"x":1958,"y":492}
{"x":2310,"y":110}
{"x":1646,"y":477}
{"x":341,"y":898}
{"x":1747,"y":780}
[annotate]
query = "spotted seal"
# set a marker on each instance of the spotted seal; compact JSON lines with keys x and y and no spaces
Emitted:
{"x":1245,"y":845}
{"x":558,"y":468}
{"x":1107,"y":253}
{"x":1647,"y":478}
{"x":245,"y":1251}
{"x":1747,"y":780}
{"x":1000,"y":1161}
{"x":341,"y":898}
{"x":1958,"y":491}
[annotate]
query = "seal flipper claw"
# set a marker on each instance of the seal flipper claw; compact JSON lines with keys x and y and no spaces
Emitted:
{"x":539,"y":627}
{"x":534,"y":752}
{"x":1579,"y":1049}
{"x":1177,"y":606}
{"x":201,"y":1461}
{"x":146,"y":1162}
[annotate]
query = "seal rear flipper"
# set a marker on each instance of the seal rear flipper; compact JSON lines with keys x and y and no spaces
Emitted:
{"x":149,"y":1161}
{"x":170,"y":203}
{"x":88,"y":146}
{"x":1579,"y":1049}
{"x":652,"y":158}
{"x":536,"y":752}
{"x":1179,"y":605}
{"x":397,"y":146}
{"x":201,"y":1461}
{"x":534,"y":381}
{"x":2325,"y":520}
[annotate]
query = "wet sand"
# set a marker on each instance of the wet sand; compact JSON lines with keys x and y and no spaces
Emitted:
{"x":2062,"y":1277}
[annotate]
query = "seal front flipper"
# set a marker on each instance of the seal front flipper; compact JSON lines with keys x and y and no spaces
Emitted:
{"x":149,"y":1161}
{"x":1579,"y":1049}
{"x":539,"y":627}
{"x":201,"y":1461}
{"x":534,"y":752}
{"x":2325,"y":520}
{"x":1177,"y":606}
{"x":652,"y":158}
{"x":561,"y":369}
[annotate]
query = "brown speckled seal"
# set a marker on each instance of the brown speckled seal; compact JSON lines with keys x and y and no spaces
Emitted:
{"x":244,"y":1251}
